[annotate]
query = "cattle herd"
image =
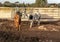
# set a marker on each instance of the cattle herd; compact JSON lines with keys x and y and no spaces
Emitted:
{"x":32,"y":17}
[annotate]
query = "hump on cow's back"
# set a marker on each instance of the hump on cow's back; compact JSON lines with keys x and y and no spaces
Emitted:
{"x":19,"y":13}
{"x":31,"y":17}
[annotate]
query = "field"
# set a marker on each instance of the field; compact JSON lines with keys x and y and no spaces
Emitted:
{"x":46,"y":32}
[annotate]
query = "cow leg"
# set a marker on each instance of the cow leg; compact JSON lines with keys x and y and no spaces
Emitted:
{"x":38,"y":22}
{"x":31,"y":23}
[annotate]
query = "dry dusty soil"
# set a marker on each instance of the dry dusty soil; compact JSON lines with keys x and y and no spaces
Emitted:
{"x":45,"y":32}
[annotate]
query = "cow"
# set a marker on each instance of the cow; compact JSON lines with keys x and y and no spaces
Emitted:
{"x":34,"y":17}
{"x":17,"y":19}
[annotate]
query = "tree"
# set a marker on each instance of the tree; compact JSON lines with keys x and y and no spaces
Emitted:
{"x":17,"y":4}
{"x":28,"y":5}
{"x":7,"y":4}
{"x":0,"y":4}
{"x":41,"y":3}
{"x":23,"y":4}
{"x":13,"y":5}
{"x":59,"y":5}
{"x":52,"y":5}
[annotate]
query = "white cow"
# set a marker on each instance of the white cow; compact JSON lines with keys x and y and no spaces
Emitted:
{"x":35,"y":17}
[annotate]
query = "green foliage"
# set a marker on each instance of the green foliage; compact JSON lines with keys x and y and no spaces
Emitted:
{"x":0,"y":4}
{"x":38,"y":3}
{"x":53,"y":5}
{"x":59,"y":5}
{"x":41,"y":3}
{"x":7,"y":3}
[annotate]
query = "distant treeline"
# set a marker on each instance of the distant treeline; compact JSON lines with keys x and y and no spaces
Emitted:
{"x":37,"y":4}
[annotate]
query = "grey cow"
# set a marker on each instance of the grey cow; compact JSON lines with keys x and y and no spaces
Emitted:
{"x":35,"y":17}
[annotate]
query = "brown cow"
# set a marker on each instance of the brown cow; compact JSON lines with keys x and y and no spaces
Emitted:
{"x":17,"y":20}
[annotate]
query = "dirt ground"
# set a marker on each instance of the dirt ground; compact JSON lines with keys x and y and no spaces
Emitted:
{"x":45,"y":32}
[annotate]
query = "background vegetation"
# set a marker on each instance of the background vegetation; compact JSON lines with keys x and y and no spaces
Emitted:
{"x":38,"y":3}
